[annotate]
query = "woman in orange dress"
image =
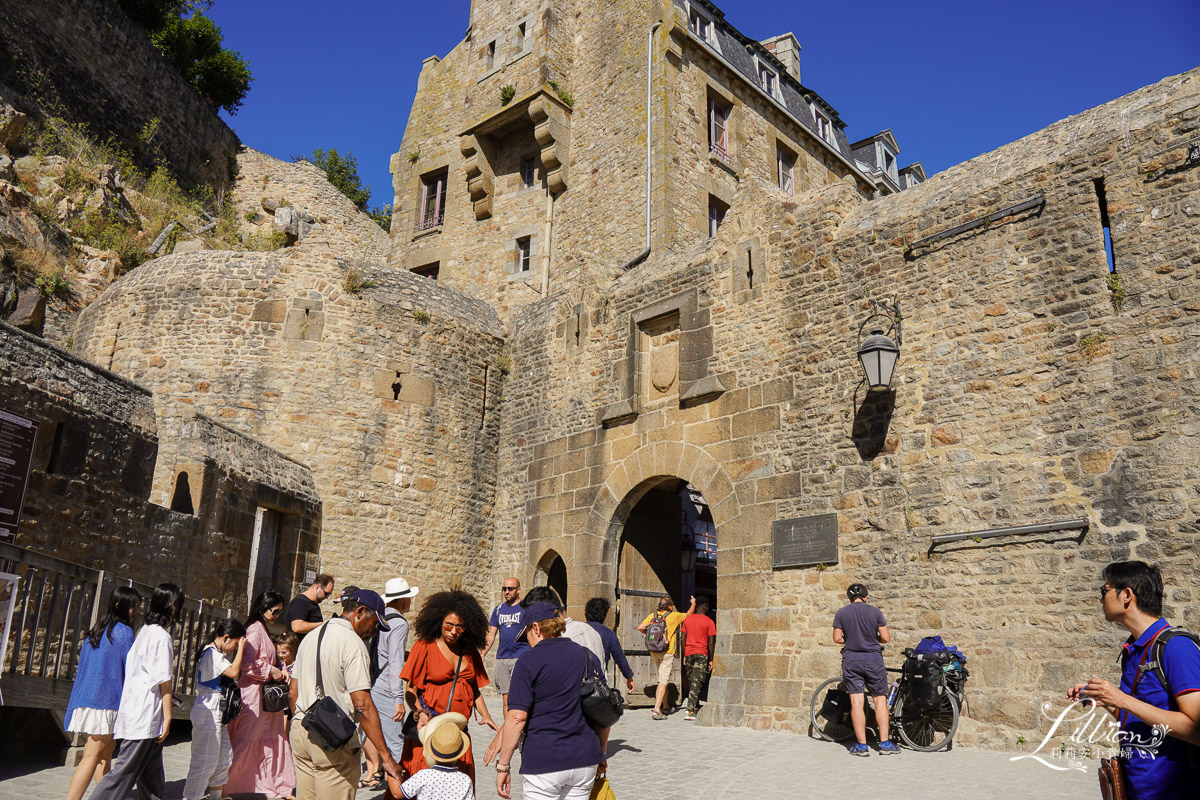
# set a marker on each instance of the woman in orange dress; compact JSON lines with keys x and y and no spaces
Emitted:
{"x":451,"y":628}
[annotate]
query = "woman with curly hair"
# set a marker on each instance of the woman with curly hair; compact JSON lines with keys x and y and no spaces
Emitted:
{"x":451,"y":629}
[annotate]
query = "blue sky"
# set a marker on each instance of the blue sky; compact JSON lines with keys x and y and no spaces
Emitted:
{"x":951,"y":79}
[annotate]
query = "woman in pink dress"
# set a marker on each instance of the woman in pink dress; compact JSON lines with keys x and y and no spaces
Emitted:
{"x":262,"y":759}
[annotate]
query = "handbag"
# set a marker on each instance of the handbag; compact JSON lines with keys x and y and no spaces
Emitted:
{"x":602,"y":790}
{"x":409,"y":727}
{"x":1112,"y":779}
{"x":231,"y":700}
{"x":602,"y":706}
{"x":325,"y":721}
{"x":275,"y":697}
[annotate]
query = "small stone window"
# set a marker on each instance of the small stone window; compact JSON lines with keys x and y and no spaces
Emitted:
{"x":489,"y":56}
{"x":428,"y":270}
{"x":718,"y":128}
{"x":716,"y":214}
{"x":785,"y":168}
{"x":521,"y":39}
{"x":181,"y":498}
{"x":528,"y":172}
{"x":524,"y":254}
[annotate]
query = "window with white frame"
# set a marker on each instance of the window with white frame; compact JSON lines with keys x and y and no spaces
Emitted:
{"x":785,"y":165}
{"x":528,"y":172}
{"x":718,"y":128}
{"x":716,"y":215}
{"x":824,"y":126}
{"x":432,"y":209}
{"x":524,"y":254}
{"x":768,"y":79}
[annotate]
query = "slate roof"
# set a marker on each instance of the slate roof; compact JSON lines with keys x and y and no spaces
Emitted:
{"x":739,"y":50}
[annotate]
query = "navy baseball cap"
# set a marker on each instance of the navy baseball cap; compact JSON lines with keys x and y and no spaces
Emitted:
{"x":537,"y":612}
{"x":372,"y":600}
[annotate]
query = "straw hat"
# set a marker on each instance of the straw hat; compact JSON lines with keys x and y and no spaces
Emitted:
{"x":443,"y":739}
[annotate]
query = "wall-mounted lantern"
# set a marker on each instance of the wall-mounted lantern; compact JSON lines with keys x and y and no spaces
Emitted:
{"x":879,"y":352}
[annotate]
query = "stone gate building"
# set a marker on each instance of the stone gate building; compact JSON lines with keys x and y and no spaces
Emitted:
{"x":613,"y":348}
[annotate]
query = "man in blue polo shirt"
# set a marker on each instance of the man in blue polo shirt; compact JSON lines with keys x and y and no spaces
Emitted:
{"x":1156,"y":768}
{"x":506,"y":620}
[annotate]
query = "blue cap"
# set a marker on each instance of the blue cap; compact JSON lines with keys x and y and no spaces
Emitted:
{"x":537,"y":612}
{"x":372,"y":600}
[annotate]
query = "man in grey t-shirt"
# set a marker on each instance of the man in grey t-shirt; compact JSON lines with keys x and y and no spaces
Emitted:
{"x":862,"y":631}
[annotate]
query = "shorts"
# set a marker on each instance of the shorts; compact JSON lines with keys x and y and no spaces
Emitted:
{"x":665,"y":662}
{"x":502,"y":674}
{"x":865,"y":676}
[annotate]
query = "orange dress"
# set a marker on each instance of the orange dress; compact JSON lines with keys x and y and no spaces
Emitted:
{"x":430,"y":675}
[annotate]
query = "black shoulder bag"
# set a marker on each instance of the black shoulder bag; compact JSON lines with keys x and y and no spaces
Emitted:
{"x":409,"y":727}
{"x":602,"y":706}
{"x":325,"y":720}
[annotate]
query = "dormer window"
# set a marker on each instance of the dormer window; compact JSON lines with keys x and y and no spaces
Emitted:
{"x":824,"y":126}
{"x":700,"y":25}
{"x":768,"y":79}
{"x":889,"y":164}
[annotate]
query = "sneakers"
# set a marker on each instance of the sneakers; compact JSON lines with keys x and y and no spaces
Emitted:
{"x":860,"y":750}
{"x":657,"y":715}
{"x":689,"y":715}
{"x":888,"y":747}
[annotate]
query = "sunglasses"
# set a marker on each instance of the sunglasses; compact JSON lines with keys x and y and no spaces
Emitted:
{"x":510,"y":588}
{"x":1104,"y":590}
{"x":450,"y":626}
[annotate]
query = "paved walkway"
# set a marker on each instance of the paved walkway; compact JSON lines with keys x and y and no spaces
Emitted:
{"x":674,"y":760}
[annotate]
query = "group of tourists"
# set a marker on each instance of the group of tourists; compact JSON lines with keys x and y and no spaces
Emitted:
{"x":265,"y":721}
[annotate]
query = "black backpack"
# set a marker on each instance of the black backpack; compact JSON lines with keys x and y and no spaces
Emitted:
{"x":1154,"y":659}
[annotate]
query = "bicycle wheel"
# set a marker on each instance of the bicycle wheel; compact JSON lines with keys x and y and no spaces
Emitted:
{"x":829,"y":730}
{"x":926,"y":729}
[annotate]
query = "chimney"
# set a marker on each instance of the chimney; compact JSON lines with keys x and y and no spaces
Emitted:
{"x":785,"y":48}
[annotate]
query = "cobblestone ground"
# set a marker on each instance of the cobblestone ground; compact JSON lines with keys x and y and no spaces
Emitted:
{"x":674,"y":760}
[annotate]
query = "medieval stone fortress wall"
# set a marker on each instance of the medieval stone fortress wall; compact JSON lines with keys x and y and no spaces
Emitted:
{"x":519,"y":388}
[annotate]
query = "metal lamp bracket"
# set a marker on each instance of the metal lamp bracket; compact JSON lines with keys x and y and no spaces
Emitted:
{"x":882,"y":309}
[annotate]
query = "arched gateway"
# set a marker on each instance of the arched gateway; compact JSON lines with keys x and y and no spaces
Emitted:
{"x":661,"y":536}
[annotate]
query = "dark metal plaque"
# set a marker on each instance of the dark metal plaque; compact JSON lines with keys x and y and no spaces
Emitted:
{"x":804,"y":541}
{"x":17,"y":435}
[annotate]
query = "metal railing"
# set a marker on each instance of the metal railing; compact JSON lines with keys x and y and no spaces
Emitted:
{"x":56,"y":602}
{"x":719,"y":150}
{"x":430,"y":220}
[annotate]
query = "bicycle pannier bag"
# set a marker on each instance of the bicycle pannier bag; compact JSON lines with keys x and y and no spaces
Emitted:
{"x":835,"y":708}
{"x":925,"y":686}
{"x":656,"y":634}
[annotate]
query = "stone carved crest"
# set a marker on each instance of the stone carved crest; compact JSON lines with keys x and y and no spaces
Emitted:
{"x":664,"y":366}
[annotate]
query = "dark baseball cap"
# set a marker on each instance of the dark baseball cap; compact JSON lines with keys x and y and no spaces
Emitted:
{"x":537,"y":612}
{"x":348,"y":593}
{"x":372,"y":600}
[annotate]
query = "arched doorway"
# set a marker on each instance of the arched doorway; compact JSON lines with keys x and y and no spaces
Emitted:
{"x":552,"y":572}
{"x":668,"y":545}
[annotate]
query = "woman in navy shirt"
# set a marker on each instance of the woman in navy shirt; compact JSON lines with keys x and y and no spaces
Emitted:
{"x":561,"y":750}
{"x":92,"y":709}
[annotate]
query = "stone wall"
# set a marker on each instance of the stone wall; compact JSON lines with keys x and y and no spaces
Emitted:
{"x":94,"y":460}
{"x":390,"y":394}
{"x":84,"y":60}
{"x":340,"y":225}
{"x":1032,"y":387}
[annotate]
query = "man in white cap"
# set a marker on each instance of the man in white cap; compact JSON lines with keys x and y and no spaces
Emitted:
{"x":390,"y":646}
